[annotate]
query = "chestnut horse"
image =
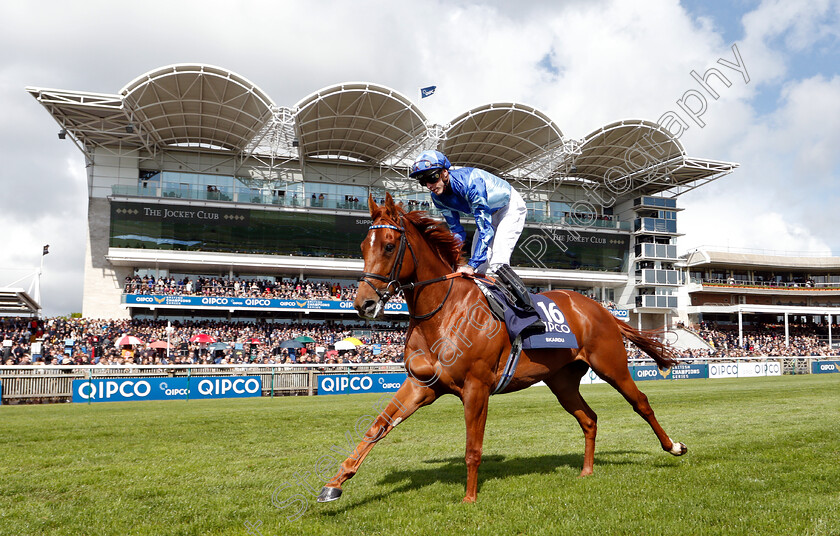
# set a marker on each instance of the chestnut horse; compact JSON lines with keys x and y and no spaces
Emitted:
{"x":454,"y":344}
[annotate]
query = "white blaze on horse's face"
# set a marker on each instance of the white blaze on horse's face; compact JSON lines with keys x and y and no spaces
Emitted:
{"x":378,"y":254}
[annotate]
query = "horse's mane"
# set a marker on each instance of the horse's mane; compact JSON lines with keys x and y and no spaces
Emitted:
{"x":436,"y":233}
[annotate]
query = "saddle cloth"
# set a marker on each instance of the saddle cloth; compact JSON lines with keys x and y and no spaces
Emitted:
{"x":557,"y":334}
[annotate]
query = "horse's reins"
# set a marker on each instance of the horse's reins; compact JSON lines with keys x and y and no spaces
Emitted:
{"x":392,"y":279}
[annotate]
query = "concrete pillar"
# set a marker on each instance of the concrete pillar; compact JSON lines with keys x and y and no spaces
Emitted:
{"x":787,"y":331}
{"x":829,"y":331}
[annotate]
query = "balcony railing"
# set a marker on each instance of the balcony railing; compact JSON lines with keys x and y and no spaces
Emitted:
{"x":767,"y":285}
{"x":657,"y":277}
{"x":658,"y":202}
{"x":656,"y":251}
{"x":662,"y":302}
{"x":655,"y":225}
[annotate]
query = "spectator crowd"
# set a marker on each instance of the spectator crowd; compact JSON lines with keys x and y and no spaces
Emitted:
{"x":762,"y":340}
{"x":80,"y":341}
{"x":288,"y":289}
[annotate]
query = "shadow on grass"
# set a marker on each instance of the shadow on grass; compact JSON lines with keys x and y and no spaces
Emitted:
{"x":454,"y":471}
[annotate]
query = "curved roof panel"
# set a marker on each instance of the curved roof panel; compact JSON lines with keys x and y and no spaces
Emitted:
{"x":357,"y":121}
{"x":625,"y":148}
{"x":197,"y":105}
{"x":500,"y":137}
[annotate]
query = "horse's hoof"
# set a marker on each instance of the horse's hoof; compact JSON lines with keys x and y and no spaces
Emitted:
{"x":678,"y":449}
{"x":329,"y":494}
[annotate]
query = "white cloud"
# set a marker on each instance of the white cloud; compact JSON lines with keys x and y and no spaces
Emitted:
{"x":785,"y":195}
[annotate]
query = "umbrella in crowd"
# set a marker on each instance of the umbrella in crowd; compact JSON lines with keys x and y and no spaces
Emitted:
{"x":345,"y":345}
{"x":292,"y":344}
{"x":254,"y":341}
{"x":353,"y":340}
{"x":202,"y":338}
{"x":304,"y":338}
{"x":128,"y":340}
{"x":160,"y":345}
{"x":219,"y":346}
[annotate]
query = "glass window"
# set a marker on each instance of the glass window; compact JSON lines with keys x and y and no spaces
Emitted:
{"x":536,"y":210}
{"x":559,"y":209}
{"x":237,"y":230}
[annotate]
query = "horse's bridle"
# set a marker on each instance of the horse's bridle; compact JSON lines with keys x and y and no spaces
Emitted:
{"x":385,"y":292}
{"x":392,"y":280}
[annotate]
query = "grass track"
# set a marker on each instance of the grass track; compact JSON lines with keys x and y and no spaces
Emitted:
{"x":764,"y":458}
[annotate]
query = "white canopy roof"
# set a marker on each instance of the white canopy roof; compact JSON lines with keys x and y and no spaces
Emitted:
{"x":197,"y":105}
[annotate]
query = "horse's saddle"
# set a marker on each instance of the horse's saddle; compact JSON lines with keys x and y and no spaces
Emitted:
{"x":557,"y":333}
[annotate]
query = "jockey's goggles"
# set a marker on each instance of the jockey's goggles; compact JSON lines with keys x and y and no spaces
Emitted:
{"x":430,"y":176}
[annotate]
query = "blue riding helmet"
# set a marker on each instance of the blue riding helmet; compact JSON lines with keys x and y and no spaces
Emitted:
{"x":429,"y":160}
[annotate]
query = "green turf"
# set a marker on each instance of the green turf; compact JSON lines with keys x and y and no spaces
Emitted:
{"x":764,"y":458}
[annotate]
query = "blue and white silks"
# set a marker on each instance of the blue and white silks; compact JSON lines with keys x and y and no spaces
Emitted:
{"x":475,"y":192}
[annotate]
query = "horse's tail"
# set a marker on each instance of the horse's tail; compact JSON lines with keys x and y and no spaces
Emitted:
{"x":649,"y":342}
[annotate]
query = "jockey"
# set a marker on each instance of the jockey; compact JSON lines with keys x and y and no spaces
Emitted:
{"x":498,"y":209}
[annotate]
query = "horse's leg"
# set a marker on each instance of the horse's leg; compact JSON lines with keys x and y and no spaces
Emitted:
{"x":566,"y":387}
{"x":476,"y":398}
{"x":408,"y":398}
{"x":614,"y":371}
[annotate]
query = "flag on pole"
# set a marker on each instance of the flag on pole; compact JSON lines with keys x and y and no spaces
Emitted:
{"x":427,"y":91}
{"x":46,"y":249}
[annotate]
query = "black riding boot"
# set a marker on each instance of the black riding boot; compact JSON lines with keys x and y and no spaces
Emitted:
{"x":507,"y":278}
{"x":514,"y":288}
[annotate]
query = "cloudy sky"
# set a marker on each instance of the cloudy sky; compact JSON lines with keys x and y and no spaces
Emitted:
{"x":583,"y":63}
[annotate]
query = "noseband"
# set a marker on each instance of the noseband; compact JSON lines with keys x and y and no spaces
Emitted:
{"x":392,"y":280}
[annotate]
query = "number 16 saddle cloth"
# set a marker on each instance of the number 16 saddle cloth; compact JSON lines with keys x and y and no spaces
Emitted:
{"x":557,"y":333}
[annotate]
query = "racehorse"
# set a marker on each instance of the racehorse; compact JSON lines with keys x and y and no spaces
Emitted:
{"x":454,"y":344}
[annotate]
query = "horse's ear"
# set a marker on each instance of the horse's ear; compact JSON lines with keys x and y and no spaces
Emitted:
{"x":372,"y":204}
{"x":389,"y":204}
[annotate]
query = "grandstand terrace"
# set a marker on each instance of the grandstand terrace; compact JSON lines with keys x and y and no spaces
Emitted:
{"x":754,"y":288}
{"x":195,"y":172}
{"x":77,"y":341}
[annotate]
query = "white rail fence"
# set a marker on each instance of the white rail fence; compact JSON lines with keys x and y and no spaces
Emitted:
{"x":30,"y":383}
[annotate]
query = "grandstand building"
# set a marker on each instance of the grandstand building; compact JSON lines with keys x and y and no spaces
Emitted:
{"x":751,"y":288}
{"x":193,"y":170}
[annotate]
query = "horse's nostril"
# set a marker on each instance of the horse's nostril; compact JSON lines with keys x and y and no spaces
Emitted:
{"x":366,"y":306}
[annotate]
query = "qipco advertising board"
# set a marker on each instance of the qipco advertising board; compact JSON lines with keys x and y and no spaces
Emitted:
{"x":345,"y":384}
{"x":748,"y":369}
{"x":195,"y":388}
{"x":825,"y":367}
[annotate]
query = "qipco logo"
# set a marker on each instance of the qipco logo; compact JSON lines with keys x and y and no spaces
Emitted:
{"x":105,"y":390}
{"x":223,"y":386}
{"x":169,"y":391}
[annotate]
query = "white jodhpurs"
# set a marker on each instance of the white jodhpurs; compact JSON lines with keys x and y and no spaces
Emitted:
{"x":508,"y":223}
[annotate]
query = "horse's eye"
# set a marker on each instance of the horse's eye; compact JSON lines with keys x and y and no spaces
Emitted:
{"x":389,"y":247}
